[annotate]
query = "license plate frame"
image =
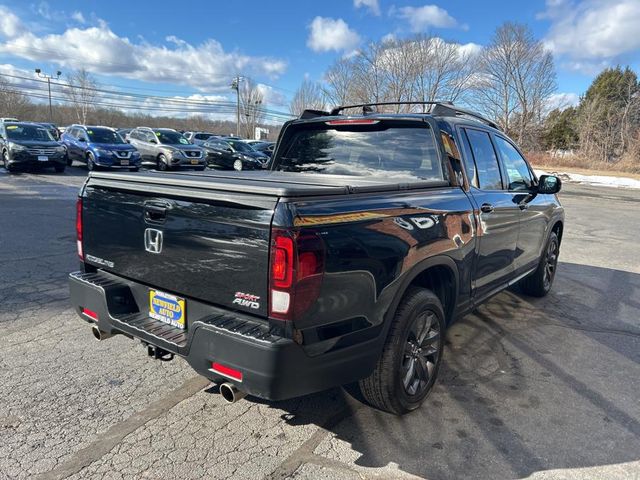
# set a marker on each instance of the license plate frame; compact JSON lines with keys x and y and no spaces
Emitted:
{"x":168,"y":308}
{"x":124,"y":163}
{"x":43,"y":158}
{"x":194,"y":162}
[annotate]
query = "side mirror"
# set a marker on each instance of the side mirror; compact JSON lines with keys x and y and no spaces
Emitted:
{"x":549,"y":184}
{"x":82,"y":140}
{"x":153,"y":140}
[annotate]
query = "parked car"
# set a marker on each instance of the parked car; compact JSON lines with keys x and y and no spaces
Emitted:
{"x":26,"y":145}
{"x":100,"y":147}
{"x":53,"y":130}
{"x":262,"y":146}
{"x":124,"y":133}
{"x":343,"y":264}
{"x":198,"y":138}
{"x":234,"y":154}
{"x":167,"y":149}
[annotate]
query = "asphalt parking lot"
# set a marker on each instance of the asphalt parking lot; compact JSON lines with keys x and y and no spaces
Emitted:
{"x":539,"y":388}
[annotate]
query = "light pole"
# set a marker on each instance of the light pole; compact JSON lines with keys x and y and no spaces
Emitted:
{"x":235,"y":85}
{"x":49,"y":77}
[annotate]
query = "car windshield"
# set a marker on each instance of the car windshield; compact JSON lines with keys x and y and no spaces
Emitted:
{"x":169,"y":137}
{"x":240,"y":146}
{"x":28,"y":133}
{"x":376,"y":150}
{"x":103,"y":135}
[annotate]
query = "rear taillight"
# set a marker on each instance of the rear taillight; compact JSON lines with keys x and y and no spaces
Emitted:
{"x":297,"y":269}
{"x":79,"y":228}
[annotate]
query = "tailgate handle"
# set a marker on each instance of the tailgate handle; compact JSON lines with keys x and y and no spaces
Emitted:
{"x":155,"y":213}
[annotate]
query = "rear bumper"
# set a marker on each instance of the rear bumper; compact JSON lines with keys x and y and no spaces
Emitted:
{"x":273,"y":367}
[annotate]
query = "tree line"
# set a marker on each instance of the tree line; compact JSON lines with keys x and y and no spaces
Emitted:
{"x":511,"y":80}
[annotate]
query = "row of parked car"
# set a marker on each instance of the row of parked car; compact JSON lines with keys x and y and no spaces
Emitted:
{"x":29,"y":144}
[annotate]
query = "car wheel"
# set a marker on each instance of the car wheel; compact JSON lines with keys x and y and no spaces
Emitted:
{"x":5,"y":160}
{"x":163,"y":166}
{"x":411,"y":357}
{"x":134,"y":169}
{"x":237,"y":165}
{"x":91,"y":164}
{"x":539,"y":283}
{"x":69,"y":161}
{"x":201,"y":169}
{"x":59,"y":168}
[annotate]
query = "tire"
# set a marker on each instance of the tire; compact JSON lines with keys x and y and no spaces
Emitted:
{"x":200,"y":169}
{"x":134,"y":169}
{"x":539,"y":283}
{"x":163,"y":166}
{"x":69,"y":161}
{"x":5,"y":161}
{"x":237,"y":165}
{"x":59,"y":168}
{"x":408,"y":367}
{"x":91,"y":164}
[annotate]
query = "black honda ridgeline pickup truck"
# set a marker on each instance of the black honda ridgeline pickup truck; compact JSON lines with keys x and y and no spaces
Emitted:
{"x":343,"y":263}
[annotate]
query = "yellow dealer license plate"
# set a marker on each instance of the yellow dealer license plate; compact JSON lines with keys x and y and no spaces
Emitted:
{"x":167,"y":308}
{"x":194,"y":162}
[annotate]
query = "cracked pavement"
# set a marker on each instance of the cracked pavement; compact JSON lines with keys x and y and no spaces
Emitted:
{"x":530,"y":388}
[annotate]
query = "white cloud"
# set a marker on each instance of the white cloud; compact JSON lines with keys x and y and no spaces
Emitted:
{"x":331,"y":34}
{"x":593,"y":30}
{"x":427,"y":16}
{"x":389,"y":38}
{"x":98,"y":49}
{"x":562,"y":101}
{"x":372,"y":5}
{"x":78,"y":17}
{"x":10,"y":24}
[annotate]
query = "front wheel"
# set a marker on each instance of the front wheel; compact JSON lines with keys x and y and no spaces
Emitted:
{"x":163,"y":166}
{"x":410,"y":360}
{"x":91,"y":163}
{"x":237,"y":165}
{"x":539,"y":283}
{"x":5,"y":161}
{"x":59,"y":168}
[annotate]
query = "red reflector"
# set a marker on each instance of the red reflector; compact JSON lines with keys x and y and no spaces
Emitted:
{"x":90,"y":313}
{"x":226,"y":371}
{"x":352,"y":121}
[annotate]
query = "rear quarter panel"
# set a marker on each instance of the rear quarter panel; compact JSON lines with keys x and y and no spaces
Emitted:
{"x":373,"y":243}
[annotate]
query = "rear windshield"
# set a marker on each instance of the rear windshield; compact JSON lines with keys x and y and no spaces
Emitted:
{"x":405,"y":152}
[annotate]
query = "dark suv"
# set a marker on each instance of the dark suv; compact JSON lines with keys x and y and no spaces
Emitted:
{"x":234,"y":154}
{"x":99,"y":147}
{"x":29,"y":145}
{"x":167,"y":149}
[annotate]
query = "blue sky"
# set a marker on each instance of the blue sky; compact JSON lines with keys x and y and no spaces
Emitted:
{"x":195,"y":47}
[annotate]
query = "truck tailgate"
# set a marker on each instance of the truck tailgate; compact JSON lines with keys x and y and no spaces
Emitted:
{"x":212,"y":247}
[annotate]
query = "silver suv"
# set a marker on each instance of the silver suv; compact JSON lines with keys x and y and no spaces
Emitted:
{"x":167,"y":149}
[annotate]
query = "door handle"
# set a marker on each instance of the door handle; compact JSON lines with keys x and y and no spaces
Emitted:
{"x":486,"y":208}
{"x":155,"y":213}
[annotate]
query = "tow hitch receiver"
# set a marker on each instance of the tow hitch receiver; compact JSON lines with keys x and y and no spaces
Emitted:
{"x":158,"y":353}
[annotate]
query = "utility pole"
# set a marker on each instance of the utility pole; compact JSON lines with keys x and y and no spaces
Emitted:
{"x":235,"y":85}
{"x":49,"y":77}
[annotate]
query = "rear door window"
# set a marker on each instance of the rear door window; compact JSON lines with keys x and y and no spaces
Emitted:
{"x":404,"y":151}
{"x":485,"y":158}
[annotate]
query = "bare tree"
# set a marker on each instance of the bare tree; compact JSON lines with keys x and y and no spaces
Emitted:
{"x":339,"y":82}
{"x":309,"y":95}
{"x":12,"y":102}
{"x":516,"y":77}
{"x":81,"y":93}
{"x":251,"y":107}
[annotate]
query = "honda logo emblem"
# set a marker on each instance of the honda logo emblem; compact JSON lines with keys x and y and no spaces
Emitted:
{"x":153,"y":240}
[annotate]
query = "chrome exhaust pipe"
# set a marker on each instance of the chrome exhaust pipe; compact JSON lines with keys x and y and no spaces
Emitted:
{"x":99,"y":334}
{"x":230,"y":393}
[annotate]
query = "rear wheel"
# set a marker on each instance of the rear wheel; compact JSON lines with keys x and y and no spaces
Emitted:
{"x":539,"y":283}
{"x":408,"y":367}
{"x":163,"y":166}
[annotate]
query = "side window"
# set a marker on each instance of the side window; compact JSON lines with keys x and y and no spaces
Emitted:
{"x":518,"y":173}
{"x":469,"y":163}
{"x":487,"y":168}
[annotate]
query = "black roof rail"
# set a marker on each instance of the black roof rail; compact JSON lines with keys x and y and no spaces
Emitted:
{"x":310,"y":113}
{"x":443,"y":108}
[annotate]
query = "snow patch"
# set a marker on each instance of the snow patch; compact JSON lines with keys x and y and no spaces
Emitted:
{"x":598,"y":180}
